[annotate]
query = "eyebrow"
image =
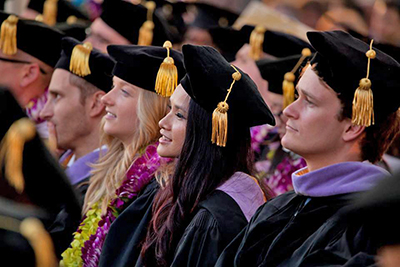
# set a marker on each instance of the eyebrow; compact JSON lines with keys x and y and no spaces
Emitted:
{"x":179,"y":107}
{"x":307,"y":94}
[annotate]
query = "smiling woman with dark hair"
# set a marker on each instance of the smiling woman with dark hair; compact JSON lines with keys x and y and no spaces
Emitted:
{"x":211,"y":195}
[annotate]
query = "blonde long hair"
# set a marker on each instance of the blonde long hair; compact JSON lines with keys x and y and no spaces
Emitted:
{"x":111,"y":169}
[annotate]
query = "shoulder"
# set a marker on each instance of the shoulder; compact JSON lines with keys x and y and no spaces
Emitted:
{"x":220,"y":210}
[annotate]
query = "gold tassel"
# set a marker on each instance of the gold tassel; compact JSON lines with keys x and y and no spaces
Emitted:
{"x":289,"y":78}
{"x":11,"y":152}
{"x":167,"y":76}
{"x":8,"y":37}
{"x":256,"y":42}
{"x":50,"y":12}
{"x":363,"y":102}
{"x":32,"y":229}
{"x":146,"y":31}
{"x":79,"y":63}
{"x":219,"y":133}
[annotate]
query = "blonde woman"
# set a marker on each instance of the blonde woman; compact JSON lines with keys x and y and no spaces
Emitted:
{"x":125,"y":175}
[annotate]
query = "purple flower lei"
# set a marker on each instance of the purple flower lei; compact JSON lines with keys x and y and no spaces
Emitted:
{"x":138,"y":176}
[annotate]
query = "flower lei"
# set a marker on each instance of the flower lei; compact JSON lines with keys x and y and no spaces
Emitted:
{"x":138,"y":176}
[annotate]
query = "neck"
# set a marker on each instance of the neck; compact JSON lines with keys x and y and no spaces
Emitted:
{"x":318,"y":161}
{"x":87,"y":144}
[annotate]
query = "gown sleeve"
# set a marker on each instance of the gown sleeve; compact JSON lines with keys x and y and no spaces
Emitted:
{"x":201,"y":243}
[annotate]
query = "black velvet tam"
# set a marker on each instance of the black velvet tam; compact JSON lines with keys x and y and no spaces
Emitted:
{"x":274,"y":70}
{"x":139,"y":65}
{"x":101,"y":65}
{"x":208,"y":78}
{"x":342,"y":63}
{"x":278,"y":44}
{"x":127,"y":18}
{"x":208,"y":16}
{"x":37,"y":39}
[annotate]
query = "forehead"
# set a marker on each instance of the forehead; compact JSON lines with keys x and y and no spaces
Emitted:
{"x":311,"y":83}
{"x":60,"y":80}
{"x":180,"y":97}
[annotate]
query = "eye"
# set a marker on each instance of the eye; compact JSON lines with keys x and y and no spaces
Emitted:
{"x":179,"y":115}
{"x":125,"y":92}
{"x":169,"y":107}
{"x":309,"y":102}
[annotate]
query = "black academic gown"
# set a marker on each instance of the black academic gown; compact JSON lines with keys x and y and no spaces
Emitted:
{"x":217,"y":221}
{"x":128,"y":231}
{"x":295,"y":230}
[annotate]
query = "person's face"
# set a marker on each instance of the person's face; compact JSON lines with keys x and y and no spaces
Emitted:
{"x":12,"y":75}
{"x":66,"y":111}
{"x":173,"y":125}
{"x":312,"y":126}
{"x":101,"y":35}
{"x":197,"y":36}
{"x":121,"y":110}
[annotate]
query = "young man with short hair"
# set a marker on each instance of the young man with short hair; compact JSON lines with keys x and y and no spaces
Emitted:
{"x":336,"y":129}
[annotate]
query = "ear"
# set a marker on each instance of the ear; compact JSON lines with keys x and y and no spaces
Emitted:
{"x":30,"y":74}
{"x":352,"y":131}
{"x":96,"y":106}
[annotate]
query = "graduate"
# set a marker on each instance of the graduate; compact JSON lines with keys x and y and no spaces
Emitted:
{"x":343,"y":121}
{"x":31,"y":176}
{"x":74,"y":109}
{"x":28,"y":54}
{"x":211,"y":195}
{"x":124,"y":179}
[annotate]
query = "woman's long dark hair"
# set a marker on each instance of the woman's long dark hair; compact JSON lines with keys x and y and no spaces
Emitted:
{"x":201,"y":168}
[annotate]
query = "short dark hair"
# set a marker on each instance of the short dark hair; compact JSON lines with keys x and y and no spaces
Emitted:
{"x":378,"y":137}
{"x":86,"y":88}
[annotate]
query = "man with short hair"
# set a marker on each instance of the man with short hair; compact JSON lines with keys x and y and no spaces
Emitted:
{"x":345,"y":118}
{"x":74,"y":110}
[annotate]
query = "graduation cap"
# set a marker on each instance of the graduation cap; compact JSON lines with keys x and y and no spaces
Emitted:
{"x":173,"y":13}
{"x":32,"y":37}
{"x":74,"y":27}
{"x":223,"y":89}
{"x":282,"y":73}
{"x":28,"y":167}
{"x":54,"y":11}
{"x":157,"y":69}
{"x":362,"y":75}
{"x":87,"y":63}
{"x":275,"y":43}
{"x":23,"y":239}
{"x":137,"y":23}
{"x":228,"y":40}
{"x":208,"y":16}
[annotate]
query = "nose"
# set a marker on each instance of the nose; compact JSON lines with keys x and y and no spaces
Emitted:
{"x":164,"y":123}
{"x":47,"y":112}
{"x":291,"y":112}
{"x":108,"y":99}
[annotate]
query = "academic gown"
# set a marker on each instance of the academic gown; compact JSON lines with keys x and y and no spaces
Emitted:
{"x":302,"y":228}
{"x":217,"y":221}
{"x":122,"y":244}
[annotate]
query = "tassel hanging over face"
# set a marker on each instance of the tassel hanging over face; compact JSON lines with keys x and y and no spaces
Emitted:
{"x":219,"y":135}
{"x":256,"y":42}
{"x":289,"y":78}
{"x":32,"y":229}
{"x":8,"y":36}
{"x":11,"y":152}
{"x":167,"y":76}
{"x":363,"y":102}
{"x":146,"y":31}
{"x":79,"y":64}
{"x":50,"y":12}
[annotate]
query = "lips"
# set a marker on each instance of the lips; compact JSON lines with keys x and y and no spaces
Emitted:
{"x":110,"y":115}
{"x":164,"y":138}
{"x":288,"y":127}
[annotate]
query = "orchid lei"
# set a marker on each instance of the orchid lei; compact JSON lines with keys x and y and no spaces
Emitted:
{"x":138,"y":176}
